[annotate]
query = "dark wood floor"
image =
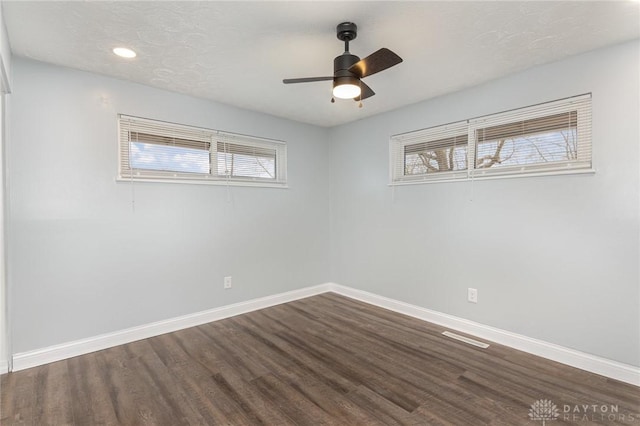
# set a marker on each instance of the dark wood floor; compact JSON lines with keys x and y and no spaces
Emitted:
{"x":322,"y":360}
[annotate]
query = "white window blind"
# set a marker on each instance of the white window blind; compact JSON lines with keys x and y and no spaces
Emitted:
{"x":554,"y":136}
{"x":431,"y":154}
{"x":549,"y":138}
{"x":159,"y":151}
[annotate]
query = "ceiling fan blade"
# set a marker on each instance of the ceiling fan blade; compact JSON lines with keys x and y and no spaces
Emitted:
{"x":376,"y":62}
{"x":367,"y":92}
{"x":305,"y":80}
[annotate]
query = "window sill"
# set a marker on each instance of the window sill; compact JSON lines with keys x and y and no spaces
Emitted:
{"x":205,"y":182}
{"x":495,"y":176}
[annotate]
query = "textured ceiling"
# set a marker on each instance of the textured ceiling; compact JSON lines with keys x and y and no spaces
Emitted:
{"x":239,"y":52}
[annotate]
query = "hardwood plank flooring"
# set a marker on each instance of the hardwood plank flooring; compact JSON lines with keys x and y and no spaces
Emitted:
{"x":324,"y":360}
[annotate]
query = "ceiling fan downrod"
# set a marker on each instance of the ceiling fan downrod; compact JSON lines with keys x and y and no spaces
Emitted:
{"x":346,"y":32}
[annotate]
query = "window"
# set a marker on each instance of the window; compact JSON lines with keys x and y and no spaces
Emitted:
{"x":159,"y":151}
{"x":431,"y":154}
{"x":550,"y":138}
{"x":246,"y":161}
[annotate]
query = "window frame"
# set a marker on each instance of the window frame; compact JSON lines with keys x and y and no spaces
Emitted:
{"x":128,"y":124}
{"x":425,"y":136}
{"x":582,"y":164}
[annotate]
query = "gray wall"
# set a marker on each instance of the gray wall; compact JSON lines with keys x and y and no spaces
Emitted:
{"x":554,"y":258}
{"x":5,"y":49}
{"x":5,"y":83}
{"x":84,"y":263}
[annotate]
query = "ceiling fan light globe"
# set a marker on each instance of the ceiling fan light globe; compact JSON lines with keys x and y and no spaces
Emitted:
{"x":346,"y":91}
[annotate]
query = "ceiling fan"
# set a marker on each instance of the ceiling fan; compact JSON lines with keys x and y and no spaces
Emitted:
{"x":349,"y":70}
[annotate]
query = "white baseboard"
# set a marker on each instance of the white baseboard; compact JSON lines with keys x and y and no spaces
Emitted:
{"x":584,"y":361}
{"x":4,"y":366}
{"x":49,"y":354}
{"x":615,"y":370}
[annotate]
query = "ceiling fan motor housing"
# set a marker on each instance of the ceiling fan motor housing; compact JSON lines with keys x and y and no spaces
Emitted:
{"x":342,"y":63}
{"x":341,"y":73}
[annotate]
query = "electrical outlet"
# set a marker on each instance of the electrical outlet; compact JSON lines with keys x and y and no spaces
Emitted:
{"x":227,"y":282}
{"x":472,"y":295}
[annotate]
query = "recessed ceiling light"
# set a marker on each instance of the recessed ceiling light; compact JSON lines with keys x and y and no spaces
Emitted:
{"x":124,"y":52}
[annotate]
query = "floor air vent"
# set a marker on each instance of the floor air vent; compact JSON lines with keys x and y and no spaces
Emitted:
{"x":466,"y":339}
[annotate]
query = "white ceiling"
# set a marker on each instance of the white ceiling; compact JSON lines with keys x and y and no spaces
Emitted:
{"x":239,"y":52}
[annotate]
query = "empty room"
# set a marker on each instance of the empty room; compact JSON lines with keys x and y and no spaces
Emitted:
{"x":320,"y":213}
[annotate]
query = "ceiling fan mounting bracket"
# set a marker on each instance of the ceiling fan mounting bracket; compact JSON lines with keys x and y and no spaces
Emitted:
{"x":347,"y":31}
